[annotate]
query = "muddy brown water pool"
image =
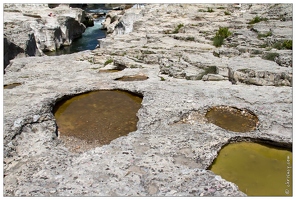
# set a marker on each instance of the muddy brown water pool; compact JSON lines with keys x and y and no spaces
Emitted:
{"x":257,"y":169}
{"x":132,"y":78}
{"x":232,"y":119}
{"x":10,"y":86}
{"x":109,"y":70}
{"x":100,"y":116}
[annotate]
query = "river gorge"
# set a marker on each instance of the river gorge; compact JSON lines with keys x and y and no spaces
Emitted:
{"x":155,"y":101}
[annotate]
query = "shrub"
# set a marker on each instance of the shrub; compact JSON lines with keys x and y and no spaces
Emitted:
{"x":227,"y":13}
{"x":256,"y":51}
{"x":178,"y":28}
{"x":270,"y":56}
{"x":108,"y":62}
{"x":257,"y":20}
{"x":189,"y":38}
{"x":218,"y":41}
{"x":210,"y":10}
{"x":221,"y":34}
{"x":287,"y":44}
{"x":277,"y":45}
{"x":261,"y":35}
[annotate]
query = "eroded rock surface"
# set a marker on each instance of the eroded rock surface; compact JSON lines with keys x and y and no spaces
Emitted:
{"x":30,"y":29}
{"x":174,"y":144}
{"x":179,"y":39}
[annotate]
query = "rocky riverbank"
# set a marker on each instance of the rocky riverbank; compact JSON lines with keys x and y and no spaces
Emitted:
{"x":31,"y":29}
{"x":174,"y":144}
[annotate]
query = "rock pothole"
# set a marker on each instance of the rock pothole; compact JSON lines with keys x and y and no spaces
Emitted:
{"x":169,"y":153}
{"x":258,"y":169}
{"x":232,"y":119}
{"x":96,"y":118}
{"x":132,"y":78}
{"x":10,"y":86}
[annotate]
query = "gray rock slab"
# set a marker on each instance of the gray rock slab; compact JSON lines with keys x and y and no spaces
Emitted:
{"x":170,"y":152}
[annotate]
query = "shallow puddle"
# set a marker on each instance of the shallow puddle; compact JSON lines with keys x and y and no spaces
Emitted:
{"x":98,"y":116}
{"x":233,"y":119}
{"x":132,"y":78}
{"x":109,"y":70}
{"x":257,"y":169}
{"x":10,"y":86}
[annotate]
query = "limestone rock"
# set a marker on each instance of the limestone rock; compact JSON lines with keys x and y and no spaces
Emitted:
{"x":261,"y":78}
{"x":213,"y":77}
{"x":29,"y":30}
{"x":174,"y":49}
{"x":170,"y":152}
{"x":125,"y":24}
{"x":120,"y":22}
{"x":284,"y":59}
{"x":229,"y":52}
{"x":11,"y":50}
{"x":111,"y":20}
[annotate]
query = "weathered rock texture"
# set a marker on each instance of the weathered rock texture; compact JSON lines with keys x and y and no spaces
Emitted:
{"x":28,"y":30}
{"x":248,"y":56}
{"x":174,"y":144}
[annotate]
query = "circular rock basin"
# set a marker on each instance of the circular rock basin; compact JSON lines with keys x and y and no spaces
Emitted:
{"x":10,"y":86}
{"x":233,"y":119}
{"x":257,"y":169}
{"x":100,"y":116}
{"x":132,"y":78}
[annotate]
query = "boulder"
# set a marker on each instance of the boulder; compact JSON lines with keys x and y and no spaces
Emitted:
{"x":125,"y":24}
{"x":29,"y":30}
{"x":19,"y":41}
{"x":120,"y":22}
{"x":112,"y":17}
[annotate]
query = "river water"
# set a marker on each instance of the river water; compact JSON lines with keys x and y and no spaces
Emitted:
{"x":89,"y":39}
